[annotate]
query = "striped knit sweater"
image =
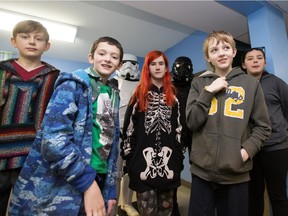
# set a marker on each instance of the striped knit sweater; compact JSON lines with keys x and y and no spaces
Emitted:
{"x":22,"y":107}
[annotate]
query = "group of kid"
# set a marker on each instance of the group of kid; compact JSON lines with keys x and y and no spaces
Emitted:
{"x":59,"y":132}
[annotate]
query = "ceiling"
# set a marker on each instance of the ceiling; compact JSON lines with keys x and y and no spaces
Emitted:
{"x":140,"y":26}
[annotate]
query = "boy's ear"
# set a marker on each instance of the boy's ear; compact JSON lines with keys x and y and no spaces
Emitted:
{"x":90,"y":58}
{"x":206,"y":58}
{"x":235,"y":52}
{"x":13,"y":42}
{"x":48,"y":44}
{"x":243,"y":66}
{"x":120,"y":65}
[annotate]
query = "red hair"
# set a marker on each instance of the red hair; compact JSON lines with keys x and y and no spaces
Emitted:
{"x":140,"y":94}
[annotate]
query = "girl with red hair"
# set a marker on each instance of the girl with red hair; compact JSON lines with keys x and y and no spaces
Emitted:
{"x":151,"y":138}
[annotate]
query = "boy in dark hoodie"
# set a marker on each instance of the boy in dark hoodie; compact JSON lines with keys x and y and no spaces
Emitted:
{"x":270,"y":165}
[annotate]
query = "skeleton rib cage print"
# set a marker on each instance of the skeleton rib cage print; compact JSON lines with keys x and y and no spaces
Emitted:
{"x":157,"y":119}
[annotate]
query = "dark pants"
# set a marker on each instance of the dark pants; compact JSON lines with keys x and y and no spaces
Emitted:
{"x":7,"y":181}
{"x":175,"y":211}
{"x":270,"y":167}
{"x":207,"y":198}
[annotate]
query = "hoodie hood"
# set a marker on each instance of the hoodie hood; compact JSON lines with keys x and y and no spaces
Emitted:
{"x":236,"y":71}
{"x":82,"y":77}
{"x":7,"y":65}
{"x":266,"y":75}
{"x":79,"y":76}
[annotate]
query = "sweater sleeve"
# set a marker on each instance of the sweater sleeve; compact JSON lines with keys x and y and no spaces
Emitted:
{"x":283,"y":92}
{"x":197,"y":107}
{"x":58,"y":147}
{"x":260,"y":124}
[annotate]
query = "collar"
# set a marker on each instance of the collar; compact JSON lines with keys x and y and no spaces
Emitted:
{"x":94,"y":74}
{"x":156,"y":89}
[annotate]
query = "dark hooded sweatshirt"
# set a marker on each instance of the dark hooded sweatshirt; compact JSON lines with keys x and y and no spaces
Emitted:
{"x":276,"y":96}
{"x":225,"y":122}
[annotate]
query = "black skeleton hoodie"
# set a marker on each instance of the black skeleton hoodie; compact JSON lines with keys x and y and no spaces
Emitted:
{"x":151,"y":144}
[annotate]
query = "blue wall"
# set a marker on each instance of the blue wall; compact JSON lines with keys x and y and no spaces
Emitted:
{"x":192,"y":48}
{"x":65,"y":65}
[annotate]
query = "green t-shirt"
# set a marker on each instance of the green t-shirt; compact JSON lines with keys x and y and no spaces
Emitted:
{"x":103,"y":130}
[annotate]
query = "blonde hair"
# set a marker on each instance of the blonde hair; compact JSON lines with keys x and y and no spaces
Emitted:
{"x":219,"y":36}
{"x":28,"y":26}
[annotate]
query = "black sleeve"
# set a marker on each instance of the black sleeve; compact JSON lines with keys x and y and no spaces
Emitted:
{"x":127,"y":145}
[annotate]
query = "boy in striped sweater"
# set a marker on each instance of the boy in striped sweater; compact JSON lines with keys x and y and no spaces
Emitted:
{"x":26,"y":85}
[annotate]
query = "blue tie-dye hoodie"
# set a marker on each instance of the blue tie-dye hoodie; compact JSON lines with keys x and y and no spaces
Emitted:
{"x":57,"y":171}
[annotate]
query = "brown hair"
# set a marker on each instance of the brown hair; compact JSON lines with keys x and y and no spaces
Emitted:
{"x":110,"y":41}
{"x":261,"y":49}
{"x":28,"y":26}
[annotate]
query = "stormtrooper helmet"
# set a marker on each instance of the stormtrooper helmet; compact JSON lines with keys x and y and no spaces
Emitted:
{"x":182,"y":70}
{"x":130,"y":68}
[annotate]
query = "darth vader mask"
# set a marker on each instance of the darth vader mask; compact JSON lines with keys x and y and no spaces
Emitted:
{"x":182,"y":70}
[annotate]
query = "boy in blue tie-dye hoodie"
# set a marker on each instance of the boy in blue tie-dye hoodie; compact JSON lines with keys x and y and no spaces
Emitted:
{"x":71,"y":167}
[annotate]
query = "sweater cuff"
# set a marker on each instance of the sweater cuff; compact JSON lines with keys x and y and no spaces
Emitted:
{"x":83,"y":182}
{"x":206,"y":97}
{"x":112,"y":193}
